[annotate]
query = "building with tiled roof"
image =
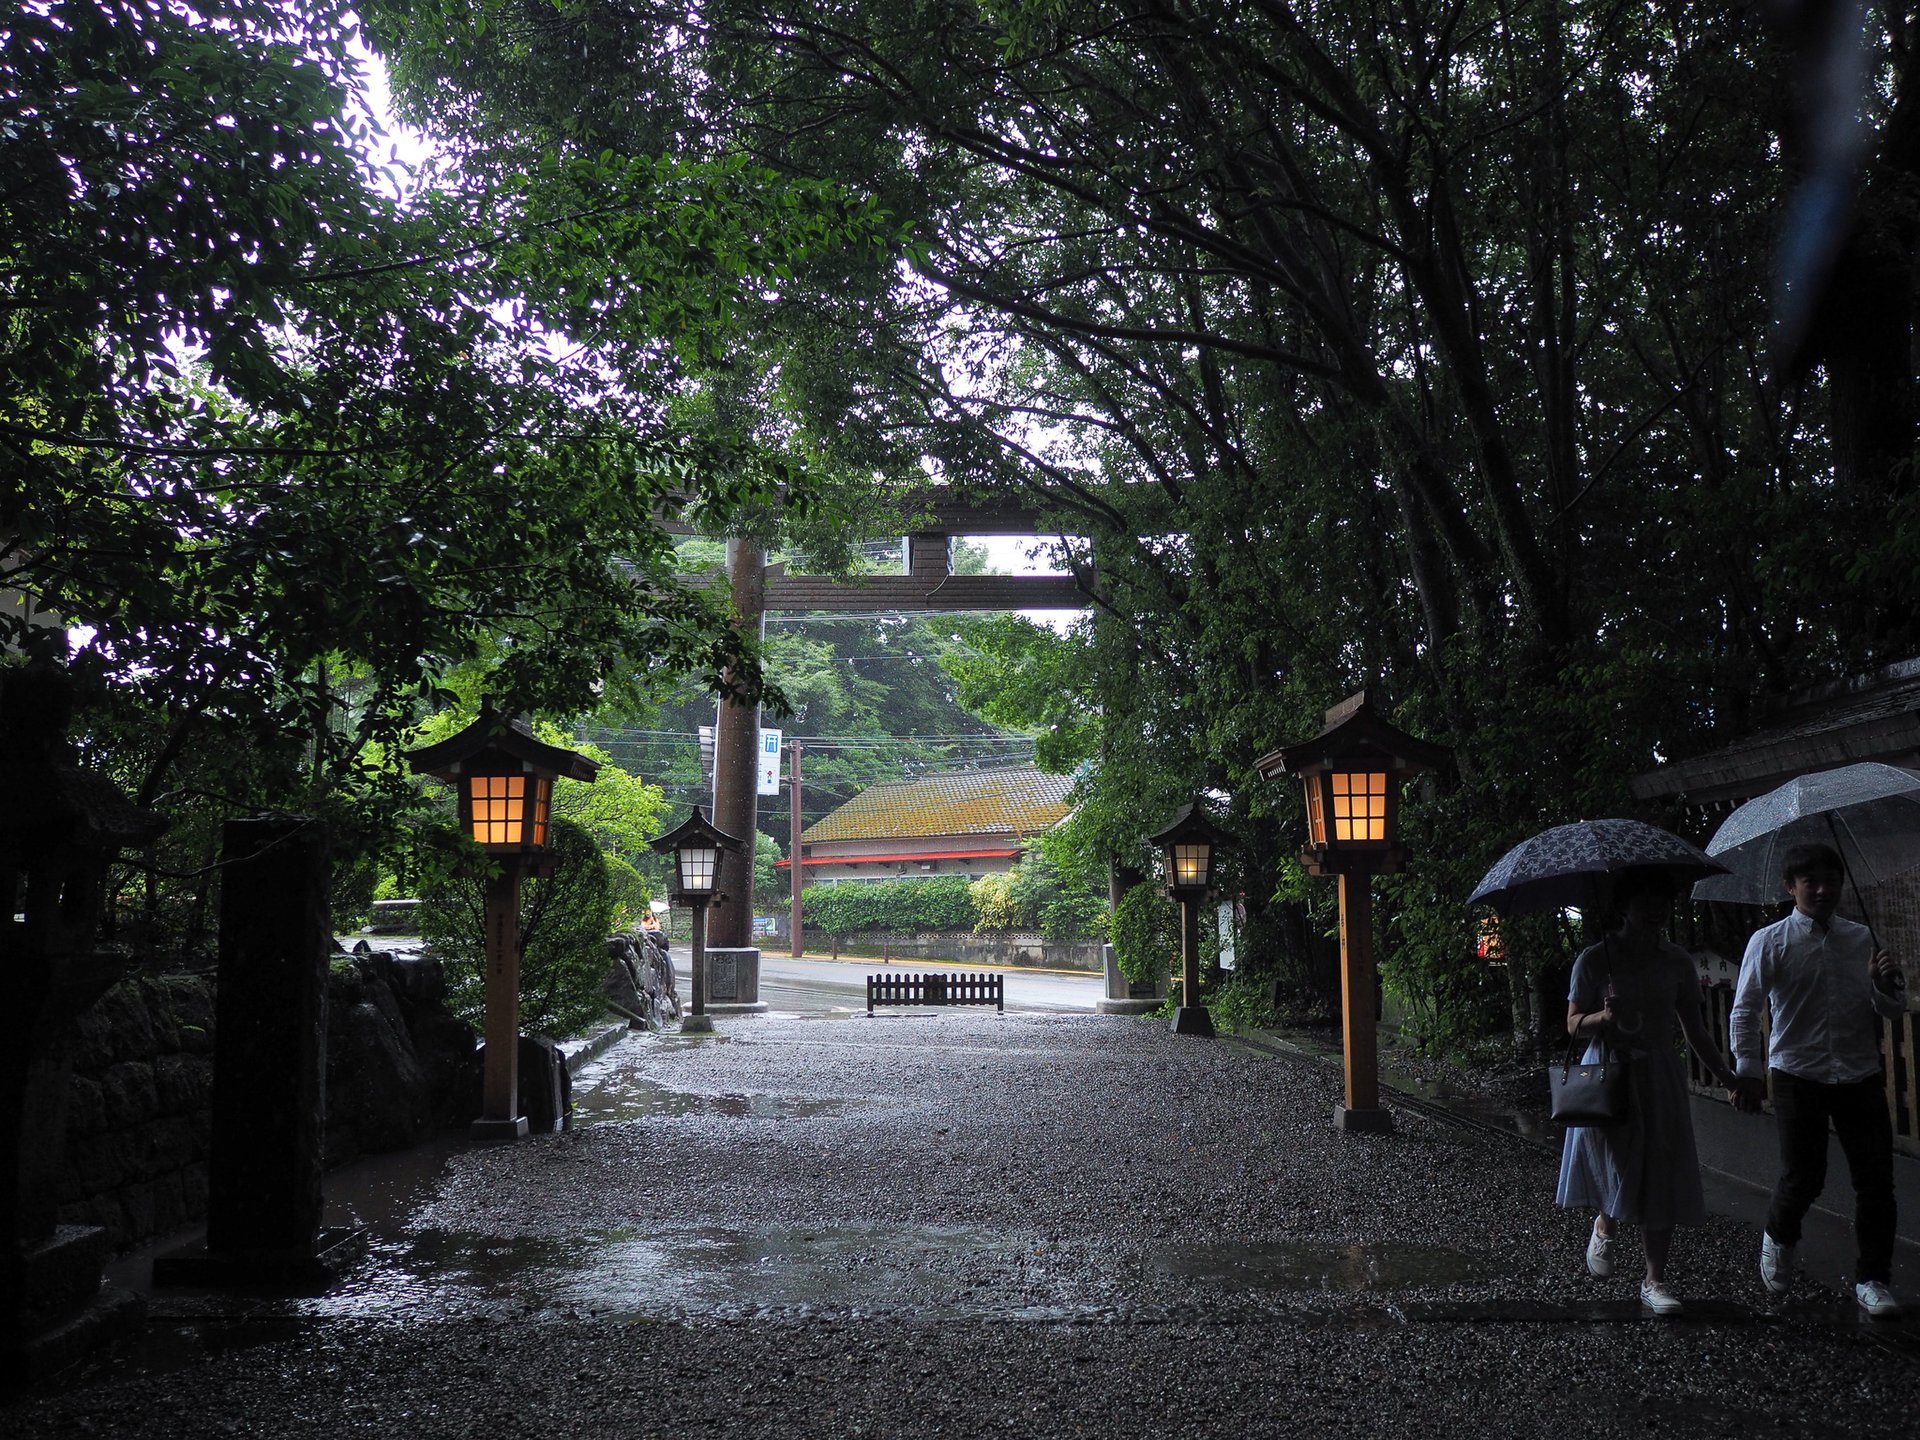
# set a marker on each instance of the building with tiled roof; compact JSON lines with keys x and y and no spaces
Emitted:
{"x":962,"y":822}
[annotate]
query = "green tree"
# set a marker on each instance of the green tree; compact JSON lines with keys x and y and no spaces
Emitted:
{"x":565,"y":918}
{"x":295,"y":451}
{"x":1410,"y":347}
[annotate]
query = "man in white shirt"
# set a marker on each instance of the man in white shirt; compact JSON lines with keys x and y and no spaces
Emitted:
{"x":1825,"y":983}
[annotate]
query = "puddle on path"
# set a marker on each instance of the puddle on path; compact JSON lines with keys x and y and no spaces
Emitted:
{"x":950,"y":1271}
{"x":668,"y":1273}
{"x":613,"y":1090}
{"x":639,"y":1100}
{"x":1304,"y":1265}
{"x":953,"y":1271}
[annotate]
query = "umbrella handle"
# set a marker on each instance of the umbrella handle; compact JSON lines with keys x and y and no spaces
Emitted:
{"x":1834,"y":830}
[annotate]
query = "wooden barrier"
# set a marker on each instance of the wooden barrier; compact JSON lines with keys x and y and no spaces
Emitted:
{"x":954,"y":989}
{"x":1899,"y":1053}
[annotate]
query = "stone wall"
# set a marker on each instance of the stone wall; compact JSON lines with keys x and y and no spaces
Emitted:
{"x":399,"y":1066}
{"x":1007,"y":948}
{"x":138,"y":1108}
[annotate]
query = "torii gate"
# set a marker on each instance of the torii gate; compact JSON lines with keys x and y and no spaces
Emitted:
{"x":927,"y":584}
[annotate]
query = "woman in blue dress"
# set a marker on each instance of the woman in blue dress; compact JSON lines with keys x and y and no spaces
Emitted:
{"x":1637,"y":992}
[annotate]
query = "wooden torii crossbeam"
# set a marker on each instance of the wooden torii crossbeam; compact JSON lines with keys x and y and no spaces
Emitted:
{"x":929,"y":585}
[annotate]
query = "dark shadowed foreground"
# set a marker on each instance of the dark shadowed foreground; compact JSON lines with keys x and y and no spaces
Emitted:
{"x":972,"y":1224}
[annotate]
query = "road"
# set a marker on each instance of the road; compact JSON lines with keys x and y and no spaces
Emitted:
{"x":816,"y":984}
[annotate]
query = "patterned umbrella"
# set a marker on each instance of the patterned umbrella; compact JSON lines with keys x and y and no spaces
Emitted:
{"x":1869,"y":812}
{"x":1576,"y":865}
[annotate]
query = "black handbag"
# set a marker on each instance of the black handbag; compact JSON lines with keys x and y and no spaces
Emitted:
{"x":1588,"y":1092}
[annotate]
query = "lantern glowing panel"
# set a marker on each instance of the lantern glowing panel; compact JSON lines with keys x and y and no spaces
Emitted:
{"x":510,"y":810}
{"x":1191,"y":864}
{"x":698,"y":867}
{"x":1359,"y":805}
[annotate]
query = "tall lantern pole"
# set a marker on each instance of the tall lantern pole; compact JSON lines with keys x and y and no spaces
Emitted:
{"x":699,"y":853}
{"x":504,"y":778}
{"x":1350,"y":776}
{"x":1189,"y":846}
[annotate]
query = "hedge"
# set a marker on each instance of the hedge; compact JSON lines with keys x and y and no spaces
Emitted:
{"x":940,"y":902}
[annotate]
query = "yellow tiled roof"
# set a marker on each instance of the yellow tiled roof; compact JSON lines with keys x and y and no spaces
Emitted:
{"x":1017,"y":800}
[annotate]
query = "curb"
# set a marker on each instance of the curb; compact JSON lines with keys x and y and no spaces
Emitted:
{"x":591,"y":1045}
{"x":1269,"y":1044}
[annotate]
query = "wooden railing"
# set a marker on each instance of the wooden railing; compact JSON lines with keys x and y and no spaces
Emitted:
{"x":1899,"y":1054}
{"x":953,"y":989}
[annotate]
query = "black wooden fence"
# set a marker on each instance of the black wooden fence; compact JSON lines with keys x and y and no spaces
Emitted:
{"x":952,"y":989}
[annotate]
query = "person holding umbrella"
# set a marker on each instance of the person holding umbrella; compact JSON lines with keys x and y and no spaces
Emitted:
{"x":1825,"y":980}
{"x":1632,"y":992}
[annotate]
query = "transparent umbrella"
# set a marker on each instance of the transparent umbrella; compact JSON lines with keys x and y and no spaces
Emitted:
{"x":1869,"y":812}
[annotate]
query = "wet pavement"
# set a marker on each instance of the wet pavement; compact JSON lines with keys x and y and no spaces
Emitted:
{"x":967,"y":1223}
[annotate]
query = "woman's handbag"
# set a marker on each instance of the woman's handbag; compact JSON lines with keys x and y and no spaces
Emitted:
{"x":1589,"y":1092}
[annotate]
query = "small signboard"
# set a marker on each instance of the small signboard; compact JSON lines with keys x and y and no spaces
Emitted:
{"x":769,"y":763}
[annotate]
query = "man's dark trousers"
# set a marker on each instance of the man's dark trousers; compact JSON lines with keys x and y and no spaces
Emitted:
{"x":1858,"y":1112}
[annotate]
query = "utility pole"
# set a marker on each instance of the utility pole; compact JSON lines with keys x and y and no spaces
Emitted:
{"x":793,"y":854}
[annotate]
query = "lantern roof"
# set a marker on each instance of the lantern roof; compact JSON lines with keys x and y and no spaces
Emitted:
{"x":1191,"y":825}
{"x":697,"y":829}
{"x":1355,"y":735}
{"x":496,"y":735}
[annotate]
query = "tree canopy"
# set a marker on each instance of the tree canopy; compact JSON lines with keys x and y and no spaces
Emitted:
{"x":1419,"y":347}
{"x":294,"y":446}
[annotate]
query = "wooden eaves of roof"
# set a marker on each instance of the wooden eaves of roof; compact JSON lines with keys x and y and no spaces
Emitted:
{"x":890,"y":858}
{"x":1871,"y":717}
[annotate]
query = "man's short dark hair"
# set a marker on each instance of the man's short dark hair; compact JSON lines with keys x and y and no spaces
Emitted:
{"x":1804,"y":860}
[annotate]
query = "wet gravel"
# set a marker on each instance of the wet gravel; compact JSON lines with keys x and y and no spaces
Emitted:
{"x":972,"y":1224}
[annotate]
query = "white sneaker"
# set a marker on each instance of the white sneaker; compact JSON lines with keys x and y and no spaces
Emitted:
{"x":1657,"y":1299}
{"x":1776,"y":1265}
{"x":1599,"y":1252}
{"x":1877,"y":1300}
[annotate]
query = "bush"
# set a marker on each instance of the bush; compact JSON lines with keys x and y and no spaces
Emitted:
{"x":629,"y":891}
{"x":1242,"y":1003}
{"x":1035,"y":896}
{"x":565,"y":918}
{"x":939,"y":903}
{"x":1146,"y":934}
{"x":995,"y":906}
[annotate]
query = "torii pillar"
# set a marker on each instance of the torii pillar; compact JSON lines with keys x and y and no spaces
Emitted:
{"x":732,"y":960}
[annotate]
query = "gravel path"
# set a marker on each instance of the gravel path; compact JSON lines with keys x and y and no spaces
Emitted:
{"x":973,"y":1224}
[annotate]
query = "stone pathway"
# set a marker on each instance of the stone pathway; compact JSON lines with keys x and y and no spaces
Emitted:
{"x":965,"y":1223}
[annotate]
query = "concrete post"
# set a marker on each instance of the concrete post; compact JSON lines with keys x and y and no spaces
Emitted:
{"x":270,"y":1051}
